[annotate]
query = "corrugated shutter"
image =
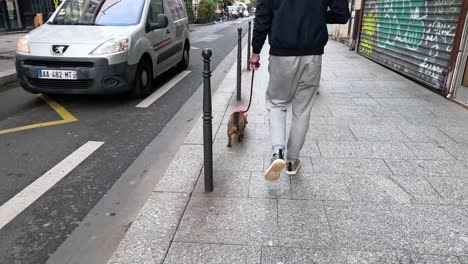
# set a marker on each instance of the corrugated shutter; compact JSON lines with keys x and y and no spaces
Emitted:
{"x":414,"y":37}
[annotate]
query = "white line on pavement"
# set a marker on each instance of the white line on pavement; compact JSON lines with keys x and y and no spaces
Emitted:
{"x":162,"y":90}
{"x":30,"y":194}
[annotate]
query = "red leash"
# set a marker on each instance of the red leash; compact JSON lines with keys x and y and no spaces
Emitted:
{"x":244,"y":112}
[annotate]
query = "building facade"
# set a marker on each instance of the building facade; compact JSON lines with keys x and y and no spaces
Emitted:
{"x":18,"y":15}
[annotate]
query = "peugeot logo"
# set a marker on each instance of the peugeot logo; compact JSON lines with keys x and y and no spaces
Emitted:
{"x":59,"y":49}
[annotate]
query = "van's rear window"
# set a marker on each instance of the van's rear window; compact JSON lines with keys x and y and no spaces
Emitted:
{"x":100,"y":12}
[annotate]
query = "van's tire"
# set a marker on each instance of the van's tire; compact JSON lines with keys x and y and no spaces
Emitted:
{"x":184,"y":63}
{"x":143,"y":79}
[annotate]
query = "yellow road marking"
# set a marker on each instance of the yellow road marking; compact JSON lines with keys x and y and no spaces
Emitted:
{"x":66,"y":116}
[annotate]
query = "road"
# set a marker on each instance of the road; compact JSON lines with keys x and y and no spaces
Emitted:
{"x":41,"y":132}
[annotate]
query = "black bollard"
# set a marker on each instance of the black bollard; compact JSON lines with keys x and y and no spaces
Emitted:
{"x":249,"y":45}
{"x":207,"y":119}
{"x":239,"y":63}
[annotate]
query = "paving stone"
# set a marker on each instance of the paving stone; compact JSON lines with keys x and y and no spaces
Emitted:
{"x":459,"y":151}
{"x":424,"y":134}
{"x":371,"y":150}
{"x":183,"y":253}
{"x":418,"y":187}
{"x":361,"y":257}
{"x":347,"y":94}
{"x":352,"y":74}
{"x":262,"y":132}
{"x":415,"y":111}
{"x":402,"y":101}
{"x":320,"y":110}
{"x":330,"y":133}
{"x":430,"y":151}
{"x":328,"y":98}
{"x":261,"y":188}
{"x":350,"y":166}
{"x":383,"y":110}
{"x":303,"y":224}
{"x":289,"y":255}
{"x":227,"y":184}
{"x":310,"y":149}
{"x":368,"y":227}
{"x":320,"y":187}
{"x":440,"y":168}
{"x":435,"y":229}
{"x":150,"y":235}
{"x":379,"y":120}
{"x":429,"y":259}
{"x":220,"y":101}
{"x":376,"y":189}
{"x":229,"y":221}
{"x":457,"y":133}
{"x":350,"y":111}
{"x":248,"y":147}
{"x":378,"y":133}
{"x":453,"y":188}
{"x":238,"y":162}
{"x":338,"y":120}
{"x":463,"y":259}
{"x":183,"y":172}
{"x":364,"y":101}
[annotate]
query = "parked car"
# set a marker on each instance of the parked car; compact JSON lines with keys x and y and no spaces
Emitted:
{"x":233,"y":11}
{"x":105,"y":46}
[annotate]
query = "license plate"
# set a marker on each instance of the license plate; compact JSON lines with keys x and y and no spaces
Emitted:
{"x":57,"y":74}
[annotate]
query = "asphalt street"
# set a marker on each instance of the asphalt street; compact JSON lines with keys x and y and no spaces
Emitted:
{"x":40,"y":132}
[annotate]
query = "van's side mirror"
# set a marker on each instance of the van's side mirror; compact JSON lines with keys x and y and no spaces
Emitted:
{"x":162,"y":22}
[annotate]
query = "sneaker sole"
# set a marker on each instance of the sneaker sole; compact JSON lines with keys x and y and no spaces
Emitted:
{"x":294,"y":172}
{"x":274,"y":171}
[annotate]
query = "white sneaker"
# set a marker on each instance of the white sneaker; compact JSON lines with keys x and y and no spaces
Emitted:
{"x":273,"y":173}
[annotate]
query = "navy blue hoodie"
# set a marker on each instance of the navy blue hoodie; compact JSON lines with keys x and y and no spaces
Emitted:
{"x":296,"y":27}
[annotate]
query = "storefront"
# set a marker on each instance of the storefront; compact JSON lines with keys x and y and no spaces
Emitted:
{"x":19,"y":14}
{"x":459,"y":87}
{"x":413,"y":37}
{"x":9,"y":15}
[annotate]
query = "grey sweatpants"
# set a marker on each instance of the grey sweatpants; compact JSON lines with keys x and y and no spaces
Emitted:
{"x":293,"y":81}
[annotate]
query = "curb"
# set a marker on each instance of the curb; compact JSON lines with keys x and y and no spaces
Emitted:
{"x":7,"y":77}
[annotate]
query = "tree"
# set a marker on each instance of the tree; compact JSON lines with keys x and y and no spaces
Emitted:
{"x":189,"y":7}
{"x":206,"y":10}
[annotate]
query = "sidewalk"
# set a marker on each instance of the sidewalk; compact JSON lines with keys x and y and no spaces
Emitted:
{"x":384,"y":180}
{"x":7,"y":57}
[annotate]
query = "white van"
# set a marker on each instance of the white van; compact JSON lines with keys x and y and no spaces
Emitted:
{"x":104,"y":46}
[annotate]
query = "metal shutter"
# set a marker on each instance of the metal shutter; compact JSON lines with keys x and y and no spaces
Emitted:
{"x":414,"y":37}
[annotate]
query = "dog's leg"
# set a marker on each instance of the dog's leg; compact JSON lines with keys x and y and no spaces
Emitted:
{"x":240,"y":137}
{"x":229,"y":140}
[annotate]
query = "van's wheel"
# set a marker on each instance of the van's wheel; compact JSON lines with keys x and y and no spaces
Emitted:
{"x":184,"y":63}
{"x":143,"y":79}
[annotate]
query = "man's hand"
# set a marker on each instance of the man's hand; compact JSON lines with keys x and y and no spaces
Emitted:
{"x":255,"y":61}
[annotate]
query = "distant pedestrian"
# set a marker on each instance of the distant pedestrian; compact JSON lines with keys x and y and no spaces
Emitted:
{"x":297,"y":33}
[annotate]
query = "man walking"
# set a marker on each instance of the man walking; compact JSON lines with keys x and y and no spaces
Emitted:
{"x":297,"y":33}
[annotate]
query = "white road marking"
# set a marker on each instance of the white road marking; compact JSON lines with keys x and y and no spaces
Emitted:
{"x":162,"y":90}
{"x":195,"y":48}
{"x":30,"y":194}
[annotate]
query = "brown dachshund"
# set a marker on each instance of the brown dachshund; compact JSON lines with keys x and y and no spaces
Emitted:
{"x":236,"y":126}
